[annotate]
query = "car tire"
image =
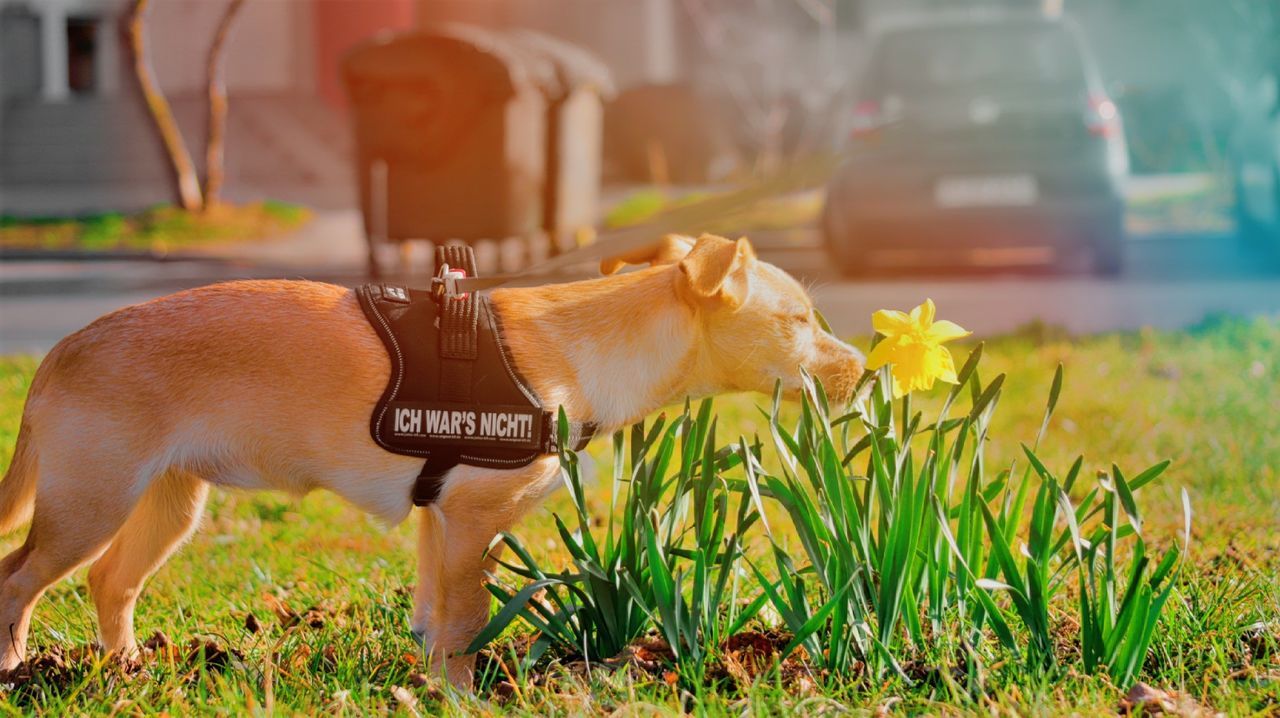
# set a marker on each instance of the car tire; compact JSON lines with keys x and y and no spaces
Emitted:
{"x":1108,"y":250}
{"x":1271,"y":243}
{"x":1247,"y":230}
{"x":1108,"y":260}
{"x":1259,"y":241}
{"x":836,"y":241}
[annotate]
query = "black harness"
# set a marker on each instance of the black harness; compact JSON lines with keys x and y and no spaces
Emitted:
{"x":454,"y":396}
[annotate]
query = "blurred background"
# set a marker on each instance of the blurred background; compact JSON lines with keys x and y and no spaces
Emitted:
{"x":1086,"y":164}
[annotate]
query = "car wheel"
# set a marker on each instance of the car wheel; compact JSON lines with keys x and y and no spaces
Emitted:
{"x":1247,"y":227}
{"x":1108,"y":260}
{"x":836,"y":240}
{"x":1269,"y":241}
{"x":1258,"y":239}
{"x":1108,"y":250}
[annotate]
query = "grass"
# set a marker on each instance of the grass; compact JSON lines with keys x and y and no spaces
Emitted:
{"x":159,"y":229}
{"x":327,"y":588}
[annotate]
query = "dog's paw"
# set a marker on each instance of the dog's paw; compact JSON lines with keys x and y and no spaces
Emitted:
{"x":422,"y":636}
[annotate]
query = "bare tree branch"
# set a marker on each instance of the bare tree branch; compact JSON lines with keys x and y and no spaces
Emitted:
{"x":188,"y":186}
{"x":217,"y":91}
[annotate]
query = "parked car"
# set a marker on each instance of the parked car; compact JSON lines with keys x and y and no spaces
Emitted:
{"x":983,"y":134}
{"x":1255,"y":169}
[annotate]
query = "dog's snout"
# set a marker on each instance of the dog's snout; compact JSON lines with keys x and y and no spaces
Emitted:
{"x":841,"y":365}
{"x":841,"y":352}
{"x":858,"y":357}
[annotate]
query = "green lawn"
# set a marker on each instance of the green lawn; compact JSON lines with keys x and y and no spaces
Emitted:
{"x":159,"y":229}
{"x":1207,"y":398}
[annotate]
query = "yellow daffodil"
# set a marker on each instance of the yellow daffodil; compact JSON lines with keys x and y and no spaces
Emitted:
{"x":912,"y":346}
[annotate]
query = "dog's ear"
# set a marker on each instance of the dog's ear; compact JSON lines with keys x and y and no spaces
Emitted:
{"x":668,"y":250}
{"x":716,"y":268}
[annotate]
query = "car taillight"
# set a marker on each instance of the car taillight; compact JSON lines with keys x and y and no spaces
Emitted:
{"x":867,"y":118}
{"x":1103,"y":118}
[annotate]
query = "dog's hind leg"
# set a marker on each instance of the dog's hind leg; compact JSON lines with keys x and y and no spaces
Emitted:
{"x":74,"y":520}
{"x":166,"y":516}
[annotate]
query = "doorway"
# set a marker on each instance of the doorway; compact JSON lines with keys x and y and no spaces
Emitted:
{"x":82,"y":55}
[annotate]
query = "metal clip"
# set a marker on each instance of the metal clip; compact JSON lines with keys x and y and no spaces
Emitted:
{"x":445,"y":283}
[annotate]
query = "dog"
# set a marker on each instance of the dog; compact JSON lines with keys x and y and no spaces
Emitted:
{"x":270,"y":385}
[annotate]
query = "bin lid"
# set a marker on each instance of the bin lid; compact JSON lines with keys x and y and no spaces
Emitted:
{"x":574,"y":66}
{"x":502,"y":64}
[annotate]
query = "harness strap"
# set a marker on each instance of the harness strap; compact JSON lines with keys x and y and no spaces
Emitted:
{"x":426,"y":488}
{"x":580,"y":434}
{"x":459,"y":327}
{"x":458,"y":331}
{"x":459,"y":345}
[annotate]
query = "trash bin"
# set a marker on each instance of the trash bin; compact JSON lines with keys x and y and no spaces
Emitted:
{"x":574,"y":135}
{"x":450,"y":126}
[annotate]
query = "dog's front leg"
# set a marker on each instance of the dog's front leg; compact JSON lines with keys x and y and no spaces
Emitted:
{"x":451,"y":603}
{"x":431,"y":552}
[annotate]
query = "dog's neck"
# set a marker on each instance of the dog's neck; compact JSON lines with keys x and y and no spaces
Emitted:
{"x":608,"y":350}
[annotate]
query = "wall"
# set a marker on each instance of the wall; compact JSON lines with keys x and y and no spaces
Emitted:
{"x":639,"y":40}
{"x":262,"y":51}
{"x":342,"y":24}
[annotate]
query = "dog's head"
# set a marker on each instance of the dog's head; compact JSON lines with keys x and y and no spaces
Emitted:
{"x":756,"y":323}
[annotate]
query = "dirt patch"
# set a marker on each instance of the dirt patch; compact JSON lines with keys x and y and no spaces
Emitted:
{"x":747,"y":655}
{"x":1147,"y":700}
{"x":315,"y":616}
{"x":739,"y":662}
{"x":60,"y":667}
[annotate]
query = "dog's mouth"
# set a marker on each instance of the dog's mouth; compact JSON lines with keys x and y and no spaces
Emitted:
{"x":839,"y":387}
{"x":841,"y":383}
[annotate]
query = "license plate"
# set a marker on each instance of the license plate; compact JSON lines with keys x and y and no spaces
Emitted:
{"x":992,"y":191}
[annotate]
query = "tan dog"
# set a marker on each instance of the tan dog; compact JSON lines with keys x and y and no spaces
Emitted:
{"x":270,"y":384}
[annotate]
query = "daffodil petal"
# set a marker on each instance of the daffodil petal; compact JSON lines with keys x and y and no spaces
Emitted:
{"x":890,"y":322}
{"x":947,"y":371}
{"x":923,"y":314}
{"x":945,"y":331}
{"x":881,"y":355}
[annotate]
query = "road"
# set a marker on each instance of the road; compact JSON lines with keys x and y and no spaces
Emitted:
{"x":1172,"y":281}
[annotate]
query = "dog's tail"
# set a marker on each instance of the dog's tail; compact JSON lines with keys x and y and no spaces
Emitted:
{"x":18,"y":490}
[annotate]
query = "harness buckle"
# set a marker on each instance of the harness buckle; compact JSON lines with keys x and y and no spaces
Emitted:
{"x":445,"y":283}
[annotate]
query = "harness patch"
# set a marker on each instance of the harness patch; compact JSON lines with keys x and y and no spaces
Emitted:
{"x":446,"y":424}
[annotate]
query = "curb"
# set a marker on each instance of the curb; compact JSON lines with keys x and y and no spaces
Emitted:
{"x":21,"y":254}
{"x":98,"y":276}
